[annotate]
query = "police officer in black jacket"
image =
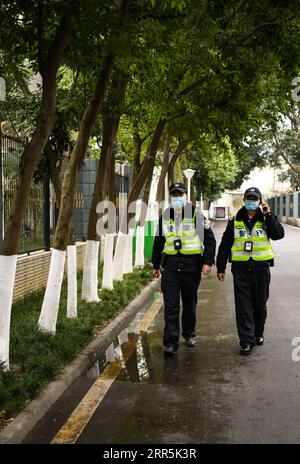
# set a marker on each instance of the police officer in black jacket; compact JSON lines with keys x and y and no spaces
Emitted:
{"x":183,"y":247}
{"x":246,"y":243}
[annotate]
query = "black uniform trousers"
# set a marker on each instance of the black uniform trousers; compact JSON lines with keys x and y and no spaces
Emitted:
{"x":173,"y":284}
{"x":251,"y":292}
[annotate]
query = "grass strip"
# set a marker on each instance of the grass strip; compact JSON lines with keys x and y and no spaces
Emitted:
{"x":37,"y":357}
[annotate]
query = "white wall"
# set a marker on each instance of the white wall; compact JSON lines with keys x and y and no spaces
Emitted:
{"x":265,"y":179}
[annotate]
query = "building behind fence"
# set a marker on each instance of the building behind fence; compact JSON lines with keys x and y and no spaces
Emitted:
{"x":41,"y":213}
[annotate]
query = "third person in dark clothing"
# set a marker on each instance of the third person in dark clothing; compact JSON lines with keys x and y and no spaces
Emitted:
{"x":184,"y":247}
{"x":246,"y":243}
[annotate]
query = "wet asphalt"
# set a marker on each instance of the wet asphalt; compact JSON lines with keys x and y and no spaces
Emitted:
{"x":206,"y":394}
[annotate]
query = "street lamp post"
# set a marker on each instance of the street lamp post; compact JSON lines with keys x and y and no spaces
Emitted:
{"x":189,"y":174}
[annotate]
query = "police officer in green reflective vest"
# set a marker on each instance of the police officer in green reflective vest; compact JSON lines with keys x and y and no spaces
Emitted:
{"x":184,"y":246}
{"x":246,"y":243}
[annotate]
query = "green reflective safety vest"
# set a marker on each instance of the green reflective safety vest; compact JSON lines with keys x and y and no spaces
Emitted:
{"x":190,"y":241}
{"x":261,"y":248}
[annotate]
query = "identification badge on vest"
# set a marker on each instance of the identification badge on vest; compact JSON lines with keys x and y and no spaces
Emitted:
{"x":177,"y":244}
{"x":248,"y":246}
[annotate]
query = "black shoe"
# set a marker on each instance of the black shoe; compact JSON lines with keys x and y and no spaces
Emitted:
{"x":246,"y":349}
{"x":170,"y":350}
{"x":190,"y":342}
{"x":259,"y":340}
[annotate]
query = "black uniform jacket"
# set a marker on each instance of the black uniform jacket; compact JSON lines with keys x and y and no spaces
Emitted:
{"x":274,"y":229}
{"x":184,"y":262}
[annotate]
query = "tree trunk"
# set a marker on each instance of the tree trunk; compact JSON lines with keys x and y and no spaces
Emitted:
{"x":49,"y":151}
{"x":145,"y":200}
{"x":61,"y":237}
{"x":137,"y":155}
{"x":77,"y":157}
{"x":90,"y":271}
{"x":140,"y":231}
{"x":48,"y":316}
{"x":111,"y":190}
{"x":146,"y":168}
{"x":104,"y":188}
{"x":72,"y":281}
{"x":109,"y":130}
{"x":29,"y":160}
{"x":35,"y":147}
{"x":86,"y":126}
{"x":181,"y":146}
{"x":89,"y":290}
{"x":139,"y":249}
{"x":55,"y":171}
{"x":146,"y":173}
{"x":8,"y":265}
{"x":107,"y":278}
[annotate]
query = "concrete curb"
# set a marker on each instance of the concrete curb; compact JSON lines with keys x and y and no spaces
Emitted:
{"x":19,"y":428}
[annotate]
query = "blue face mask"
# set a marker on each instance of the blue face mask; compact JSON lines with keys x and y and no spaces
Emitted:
{"x":251,"y":205}
{"x":178,"y":202}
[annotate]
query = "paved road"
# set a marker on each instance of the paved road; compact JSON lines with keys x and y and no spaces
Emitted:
{"x":209,"y":394}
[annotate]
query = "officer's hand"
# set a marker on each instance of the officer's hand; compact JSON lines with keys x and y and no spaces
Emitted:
{"x":265,"y":208}
{"x":221,"y":276}
{"x":156,"y":273}
{"x":206,"y":269}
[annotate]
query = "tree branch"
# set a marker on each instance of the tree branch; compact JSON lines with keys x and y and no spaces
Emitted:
{"x":285,"y":157}
{"x":175,"y":116}
{"x":227,"y":53}
{"x":244,"y":38}
{"x":61,"y":39}
{"x":40,"y":30}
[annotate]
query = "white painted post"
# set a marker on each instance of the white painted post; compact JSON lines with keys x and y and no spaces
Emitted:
{"x":48,"y":317}
{"x":8,"y":265}
{"x":107,"y":278}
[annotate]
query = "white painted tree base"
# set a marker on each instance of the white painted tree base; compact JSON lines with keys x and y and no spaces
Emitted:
{"x":139,"y":249}
{"x":48,"y":316}
{"x":8,"y":265}
{"x":90,"y":272}
{"x":72,"y":282}
{"x":107,"y":279}
{"x":118,"y":263}
{"x":128,"y":253}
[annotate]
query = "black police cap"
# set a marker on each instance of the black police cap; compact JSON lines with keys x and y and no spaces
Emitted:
{"x":253,"y":191}
{"x":177,"y":187}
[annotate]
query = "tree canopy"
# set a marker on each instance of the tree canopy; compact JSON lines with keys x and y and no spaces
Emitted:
{"x":215,"y":73}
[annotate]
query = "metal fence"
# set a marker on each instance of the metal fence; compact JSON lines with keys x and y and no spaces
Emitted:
{"x":287,"y":207}
{"x":41,"y":212}
{"x":85,"y":188}
{"x":32,"y":230}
